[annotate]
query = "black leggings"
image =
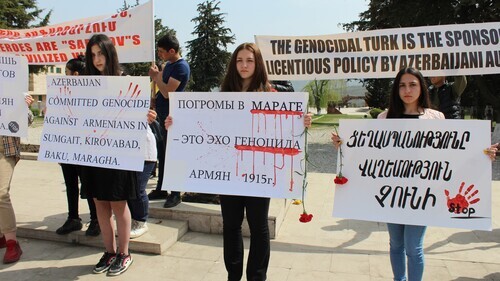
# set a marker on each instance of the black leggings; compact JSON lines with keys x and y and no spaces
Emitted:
{"x":71,"y":174}
{"x":257,"y":210}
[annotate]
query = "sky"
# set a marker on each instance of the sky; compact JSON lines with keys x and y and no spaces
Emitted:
{"x":244,"y":18}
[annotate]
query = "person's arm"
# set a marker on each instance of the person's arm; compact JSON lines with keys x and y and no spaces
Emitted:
{"x":459,"y":85}
{"x":29,"y":100}
{"x":165,"y":88}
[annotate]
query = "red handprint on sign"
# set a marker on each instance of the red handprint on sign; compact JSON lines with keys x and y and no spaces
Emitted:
{"x":461,"y":202}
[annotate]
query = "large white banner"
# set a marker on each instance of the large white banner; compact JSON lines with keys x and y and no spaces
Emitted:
{"x":419,"y":172}
{"x":98,"y":121}
{"x":13,"y":88}
{"x":131,"y":31}
{"x":443,"y":50}
{"x":237,"y":143}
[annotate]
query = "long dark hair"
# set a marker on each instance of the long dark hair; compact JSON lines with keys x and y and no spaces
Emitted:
{"x":108,"y":50}
{"x":396,"y":105}
{"x":232,"y":81}
{"x":76,"y":65}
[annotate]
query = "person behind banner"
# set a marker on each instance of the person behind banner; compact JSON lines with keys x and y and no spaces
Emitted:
{"x":10,"y":153}
{"x":282,"y":85}
{"x":139,"y":207}
{"x":445,"y":96}
{"x":409,"y":99}
{"x":110,"y":188}
{"x":173,"y":78}
{"x":71,"y":173}
{"x":246,"y":73}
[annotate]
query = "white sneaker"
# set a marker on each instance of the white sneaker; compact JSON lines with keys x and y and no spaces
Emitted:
{"x":138,"y":229}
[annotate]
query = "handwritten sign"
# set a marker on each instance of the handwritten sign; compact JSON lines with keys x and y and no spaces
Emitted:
{"x":96,"y":121}
{"x":131,"y":32}
{"x":13,"y":87}
{"x":458,"y":49}
{"x":236,"y":143}
{"x":419,"y":172}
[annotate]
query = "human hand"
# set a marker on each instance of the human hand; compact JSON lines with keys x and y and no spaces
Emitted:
{"x":337,"y":141}
{"x":28,"y":99}
{"x":308,"y":120}
{"x":492,"y":151}
{"x":151,"y":116}
{"x":153,"y":72}
{"x":168,"y":122}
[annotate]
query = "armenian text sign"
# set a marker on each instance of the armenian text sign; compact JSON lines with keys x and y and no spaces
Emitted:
{"x":418,"y":172}
{"x":131,"y":32}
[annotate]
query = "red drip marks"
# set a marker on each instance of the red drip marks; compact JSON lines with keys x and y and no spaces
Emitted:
{"x":276,"y":112}
{"x":273,"y":150}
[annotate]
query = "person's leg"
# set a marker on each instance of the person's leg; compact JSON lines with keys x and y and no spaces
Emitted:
{"x":139,"y":207}
{"x":73,"y":222}
{"x":70,"y":174}
{"x":232,"y":208}
{"x":257,"y":210}
{"x":414,"y":244}
{"x":105,"y":217}
{"x":123,"y":221}
{"x":7,"y":217}
{"x":397,"y":251}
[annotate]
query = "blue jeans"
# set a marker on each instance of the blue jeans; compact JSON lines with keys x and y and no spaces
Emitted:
{"x":407,"y":240}
{"x":139,"y":208}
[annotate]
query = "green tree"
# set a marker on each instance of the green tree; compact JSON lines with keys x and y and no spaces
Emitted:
{"x":15,"y":14}
{"x":142,"y":68}
{"x":207,"y":53}
{"x":323,"y":91}
{"x":377,"y":94}
{"x":383,"y":14}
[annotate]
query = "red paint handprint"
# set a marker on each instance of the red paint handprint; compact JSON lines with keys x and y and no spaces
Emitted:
{"x":461,"y":202}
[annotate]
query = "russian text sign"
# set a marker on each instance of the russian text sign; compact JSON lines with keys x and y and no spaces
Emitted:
{"x":237,"y":143}
{"x":13,"y":87}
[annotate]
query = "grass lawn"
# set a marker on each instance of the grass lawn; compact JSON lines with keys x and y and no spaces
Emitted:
{"x":333,"y":119}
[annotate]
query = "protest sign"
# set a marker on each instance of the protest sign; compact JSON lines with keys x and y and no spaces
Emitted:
{"x":13,"y":88}
{"x":458,"y":49}
{"x":418,"y":172}
{"x":131,"y":32}
{"x":237,"y":143}
{"x":96,"y":121}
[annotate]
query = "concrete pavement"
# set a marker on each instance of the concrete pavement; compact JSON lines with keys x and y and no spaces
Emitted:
{"x":325,"y":249}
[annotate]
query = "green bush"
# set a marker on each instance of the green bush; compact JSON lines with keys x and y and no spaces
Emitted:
{"x":375,"y":112}
{"x":35,"y":111}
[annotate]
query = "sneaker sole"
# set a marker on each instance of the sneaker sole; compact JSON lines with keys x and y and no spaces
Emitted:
{"x":120,"y":272}
{"x":101,"y":271}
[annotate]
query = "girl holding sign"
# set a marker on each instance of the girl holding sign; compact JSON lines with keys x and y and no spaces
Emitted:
{"x":110,"y":188}
{"x":246,"y":73}
{"x":409,"y":100}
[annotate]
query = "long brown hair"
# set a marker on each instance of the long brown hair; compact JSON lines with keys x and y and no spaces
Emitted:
{"x":108,"y":50}
{"x":232,"y":81}
{"x":396,"y":105}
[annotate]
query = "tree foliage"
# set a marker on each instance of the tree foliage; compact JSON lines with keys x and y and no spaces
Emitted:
{"x":383,"y":14}
{"x":207,"y":53}
{"x":323,"y":91}
{"x":142,"y":68}
{"x":15,"y":14}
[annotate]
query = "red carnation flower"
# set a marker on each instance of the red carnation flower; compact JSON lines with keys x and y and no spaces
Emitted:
{"x":305,"y":217}
{"x":340,"y":179}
